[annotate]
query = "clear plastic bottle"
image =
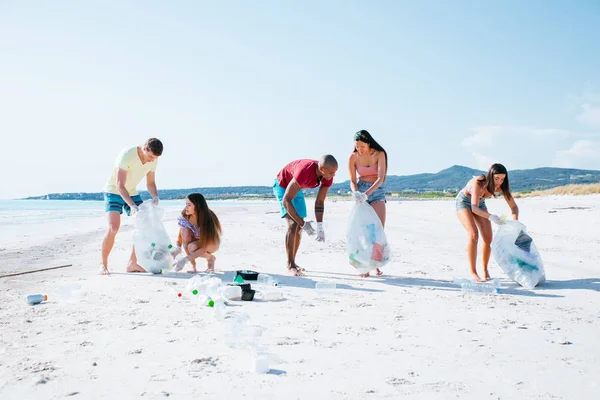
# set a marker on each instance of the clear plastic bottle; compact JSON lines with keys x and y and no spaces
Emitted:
{"x":32,"y":299}
{"x":325,"y":288}
{"x":479,"y":288}
{"x":271,"y":295}
{"x":265,"y":279}
{"x":469,"y":286}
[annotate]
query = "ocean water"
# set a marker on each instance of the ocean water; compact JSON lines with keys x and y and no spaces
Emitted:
{"x":25,"y":218}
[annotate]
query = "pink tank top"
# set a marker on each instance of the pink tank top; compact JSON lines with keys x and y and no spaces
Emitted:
{"x":361,"y":170}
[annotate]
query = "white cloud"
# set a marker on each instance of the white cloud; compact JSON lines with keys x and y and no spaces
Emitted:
{"x":515,"y":146}
{"x":483,"y":162}
{"x":590,"y":115}
{"x":582,"y":154}
{"x":489,"y":136}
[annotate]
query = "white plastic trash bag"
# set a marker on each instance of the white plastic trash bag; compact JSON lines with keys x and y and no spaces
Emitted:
{"x":367,"y":244}
{"x":151,"y":240}
{"x":517,"y":255}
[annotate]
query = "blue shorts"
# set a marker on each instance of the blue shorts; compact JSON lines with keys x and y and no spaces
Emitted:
{"x":298,"y":202}
{"x":377,"y":195}
{"x":114,"y":202}
{"x":463,"y":202}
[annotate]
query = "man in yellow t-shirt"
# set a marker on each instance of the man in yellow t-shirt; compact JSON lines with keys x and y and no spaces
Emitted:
{"x":120,"y":192}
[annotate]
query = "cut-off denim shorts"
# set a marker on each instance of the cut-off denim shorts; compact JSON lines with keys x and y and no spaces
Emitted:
{"x":463,"y":202}
{"x":377,"y":195}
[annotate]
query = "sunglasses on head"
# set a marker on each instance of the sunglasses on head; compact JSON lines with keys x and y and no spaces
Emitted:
{"x":360,"y":136}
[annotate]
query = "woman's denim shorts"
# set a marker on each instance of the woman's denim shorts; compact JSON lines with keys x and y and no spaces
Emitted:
{"x":463,"y":202}
{"x":377,"y":195}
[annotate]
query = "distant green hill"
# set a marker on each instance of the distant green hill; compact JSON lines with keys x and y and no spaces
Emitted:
{"x":450,"y":180}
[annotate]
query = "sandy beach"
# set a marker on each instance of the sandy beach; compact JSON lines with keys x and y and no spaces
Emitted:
{"x":410,"y":333}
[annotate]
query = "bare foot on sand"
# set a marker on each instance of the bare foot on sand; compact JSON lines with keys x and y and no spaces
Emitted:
{"x":378,"y":272}
{"x":476,"y":278}
{"x":103,"y":269}
{"x":487,"y":276}
{"x":135,"y":267}
{"x":364,"y":275}
{"x":294,"y":271}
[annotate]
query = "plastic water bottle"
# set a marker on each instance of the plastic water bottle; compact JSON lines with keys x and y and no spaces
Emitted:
{"x":469,"y":286}
{"x":230,"y":292}
{"x":32,"y":299}
{"x":219,"y":308}
{"x":325,"y":288}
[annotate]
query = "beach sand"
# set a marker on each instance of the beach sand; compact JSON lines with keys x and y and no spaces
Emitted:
{"x":410,"y":333}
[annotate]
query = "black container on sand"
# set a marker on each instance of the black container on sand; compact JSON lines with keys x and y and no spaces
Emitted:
{"x":247,"y":275}
{"x":248,"y":295}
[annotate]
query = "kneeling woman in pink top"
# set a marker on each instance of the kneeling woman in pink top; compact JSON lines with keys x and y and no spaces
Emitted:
{"x":367,"y":167}
{"x":199,"y":232}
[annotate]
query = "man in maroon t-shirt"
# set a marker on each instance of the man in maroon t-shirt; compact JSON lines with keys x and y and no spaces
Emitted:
{"x":298,"y":175}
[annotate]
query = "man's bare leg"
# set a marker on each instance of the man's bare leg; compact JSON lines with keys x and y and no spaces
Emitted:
{"x":114,"y":222}
{"x":292,"y":243}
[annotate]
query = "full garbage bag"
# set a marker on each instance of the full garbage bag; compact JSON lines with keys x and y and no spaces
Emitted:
{"x":366,"y":242}
{"x":151,"y":240}
{"x":515,"y":252}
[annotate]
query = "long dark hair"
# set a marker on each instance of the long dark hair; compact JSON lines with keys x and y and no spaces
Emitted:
{"x":206,"y":220}
{"x":365,"y":137}
{"x":489,"y":180}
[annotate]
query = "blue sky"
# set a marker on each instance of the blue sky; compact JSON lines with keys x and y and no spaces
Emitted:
{"x":236,"y":89}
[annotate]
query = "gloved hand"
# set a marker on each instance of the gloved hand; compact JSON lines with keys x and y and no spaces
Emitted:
{"x":175,"y":251}
{"x":359,"y":197}
{"x":134,"y":210}
{"x":320,"y":232}
{"x":496,"y":219}
{"x":179,"y":264}
{"x":307,"y":227}
{"x":155,"y":200}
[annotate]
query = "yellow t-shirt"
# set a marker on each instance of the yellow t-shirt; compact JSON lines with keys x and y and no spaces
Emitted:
{"x":129,"y":160}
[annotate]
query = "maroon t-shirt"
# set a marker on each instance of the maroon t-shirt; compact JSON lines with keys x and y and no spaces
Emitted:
{"x":305,"y":173}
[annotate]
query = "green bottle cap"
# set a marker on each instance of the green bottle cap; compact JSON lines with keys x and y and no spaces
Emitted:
{"x":211,"y":303}
{"x":194,"y":292}
{"x":153,"y":244}
{"x":170,"y":246}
